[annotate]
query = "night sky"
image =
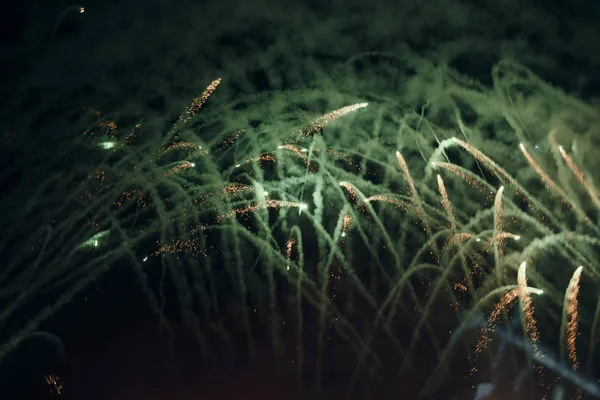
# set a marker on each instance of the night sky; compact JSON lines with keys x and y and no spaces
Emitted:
{"x":118,"y":317}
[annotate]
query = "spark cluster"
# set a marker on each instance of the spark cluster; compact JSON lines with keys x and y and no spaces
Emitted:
{"x":55,"y":383}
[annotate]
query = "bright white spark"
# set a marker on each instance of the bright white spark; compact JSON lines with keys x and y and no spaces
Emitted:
{"x":107,"y":145}
{"x":303,"y":207}
{"x":94,"y":241}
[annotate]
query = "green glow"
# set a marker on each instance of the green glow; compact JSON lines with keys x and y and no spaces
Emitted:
{"x":94,"y":241}
{"x":107,"y":145}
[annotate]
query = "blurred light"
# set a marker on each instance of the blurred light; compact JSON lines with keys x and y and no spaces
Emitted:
{"x":107,"y":145}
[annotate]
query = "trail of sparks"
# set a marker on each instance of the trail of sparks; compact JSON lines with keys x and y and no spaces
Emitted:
{"x":179,"y":145}
{"x":346,"y":224}
{"x":229,"y":192}
{"x":133,"y":194}
{"x":411,"y":188}
{"x":269,"y":204}
{"x":289,"y":247}
{"x":417,"y":203}
{"x":192,"y":245}
{"x":548,"y":182}
{"x":196,"y":105}
{"x":301,"y":153}
{"x":339,"y":154}
{"x":498,"y":227}
{"x":231,"y":140}
{"x":318,"y":124}
{"x":572,"y":314}
{"x":131,"y":135}
{"x":179,"y":168}
{"x":262,"y":159}
{"x":529,"y":323}
{"x":485,"y":160}
{"x":469,"y":180}
{"x":552,"y":187}
{"x":351,"y":191}
{"x":56,"y":385}
{"x":446,"y":203}
{"x":503,"y":305}
{"x":390,"y":200}
{"x":581,"y":178}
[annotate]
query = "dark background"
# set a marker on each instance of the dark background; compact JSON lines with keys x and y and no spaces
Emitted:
{"x":118,"y":50}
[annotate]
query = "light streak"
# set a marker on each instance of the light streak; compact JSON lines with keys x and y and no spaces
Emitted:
{"x":571,"y":316}
{"x":529,"y":323}
{"x":581,"y":178}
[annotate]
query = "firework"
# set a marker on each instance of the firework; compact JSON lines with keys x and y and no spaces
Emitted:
{"x":570,"y":322}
